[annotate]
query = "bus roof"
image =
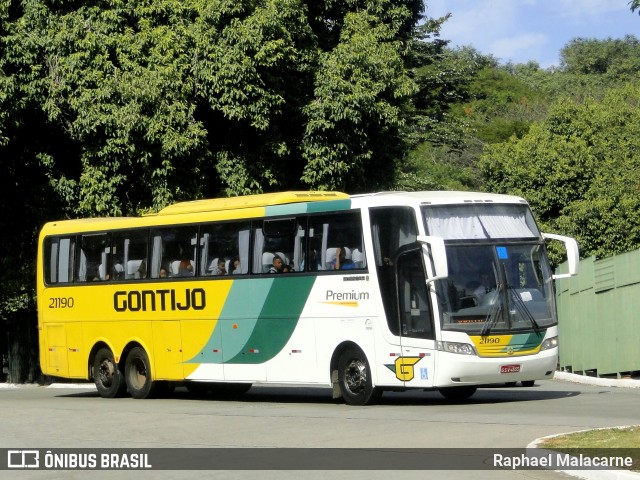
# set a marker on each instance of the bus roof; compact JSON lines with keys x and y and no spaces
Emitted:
{"x":437,"y":198}
{"x":250,"y":205}
{"x":276,"y":204}
{"x":250,"y":201}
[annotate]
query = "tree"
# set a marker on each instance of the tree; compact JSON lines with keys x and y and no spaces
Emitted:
{"x":357,"y":111}
{"x":119,"y":108}
{"x":614,"y":57}
{"x":580,"y":170}
{"x":442,"y":151}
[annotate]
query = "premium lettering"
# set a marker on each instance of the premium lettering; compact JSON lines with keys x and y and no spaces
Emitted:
{"x":352,"y":295}
{"x":159,"y":300}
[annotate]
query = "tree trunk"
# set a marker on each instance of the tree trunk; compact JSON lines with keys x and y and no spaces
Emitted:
{"x":22,"y":347}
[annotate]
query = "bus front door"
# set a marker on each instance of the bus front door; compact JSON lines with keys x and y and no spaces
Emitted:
{"x":417,"y":333}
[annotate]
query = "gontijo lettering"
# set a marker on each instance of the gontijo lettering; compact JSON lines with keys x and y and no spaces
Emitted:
{"x":164,"y":299}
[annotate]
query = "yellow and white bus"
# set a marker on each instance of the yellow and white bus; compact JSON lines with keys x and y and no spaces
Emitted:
{"x":362,"y":293}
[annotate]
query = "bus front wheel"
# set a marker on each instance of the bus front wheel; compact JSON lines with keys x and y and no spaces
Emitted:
{"x":107,"y":375}
{"x":354,"y":378}
{"x":137,"y":374}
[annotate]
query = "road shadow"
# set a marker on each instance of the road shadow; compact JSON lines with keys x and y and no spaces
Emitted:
{"x":489,"y":394}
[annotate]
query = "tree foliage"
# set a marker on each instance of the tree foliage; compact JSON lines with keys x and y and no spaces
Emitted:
{"x":580,"y":170}
{"x":613,"y":57}
{"x":157,"y":101}
{"x":117,"y":108}
{"x":356,"y":111}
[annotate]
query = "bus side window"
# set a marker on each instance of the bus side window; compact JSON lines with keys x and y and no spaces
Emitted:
{"x":224,"y":245}
{"x":283,"y":238}
{"x":174,"y":251}
{"x":94,"y":258}
{"x":330,"y":232}
{"x":129,"y":250}
{"x":391,"y":229}
{"x":58,"y":261}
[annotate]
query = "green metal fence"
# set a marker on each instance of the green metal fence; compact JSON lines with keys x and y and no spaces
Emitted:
{"x":599,"y":317}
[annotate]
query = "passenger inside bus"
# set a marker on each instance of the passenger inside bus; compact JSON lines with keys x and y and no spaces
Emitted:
{"x":142,"y":270}
{"x":341,"y":260}
{"x":476,"y":290}
{"x":234,"y":266}
{"x":220,"y":267}
{"x":185,"y":269}
{"x":277,"y":265}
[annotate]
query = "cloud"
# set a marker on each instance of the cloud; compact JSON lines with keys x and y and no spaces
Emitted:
{"x":528,"y":45}
{"x":587,"y":10}
{"x":523,"y":30}
{"x":475,"y":22}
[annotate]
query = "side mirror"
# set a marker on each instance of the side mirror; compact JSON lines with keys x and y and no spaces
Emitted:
{"x":573,"y":254}
{"x":438,"y":256}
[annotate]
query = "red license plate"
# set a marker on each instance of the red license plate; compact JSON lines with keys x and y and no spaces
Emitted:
{"x":509,"y":368}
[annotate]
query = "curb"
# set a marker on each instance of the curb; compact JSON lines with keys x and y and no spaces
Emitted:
{"x":602,"y":382}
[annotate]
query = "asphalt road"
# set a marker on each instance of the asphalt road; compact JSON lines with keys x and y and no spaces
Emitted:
{"x":498,"y":417}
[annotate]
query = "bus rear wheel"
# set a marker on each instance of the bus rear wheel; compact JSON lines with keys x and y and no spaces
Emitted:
{"x":354,"y":378}
{"x":457,"y":393}
{"x":137,"y":374}
{"x":107,"y":375}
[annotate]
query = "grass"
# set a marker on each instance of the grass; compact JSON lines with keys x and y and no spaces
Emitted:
{"x":625,"y":441}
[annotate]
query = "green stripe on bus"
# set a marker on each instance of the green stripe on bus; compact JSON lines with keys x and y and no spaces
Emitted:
{"x":277,"y":321}
{"x":307,"y":207}
{"x":257,"y":320}
{"x":526,"y":341}
{"x":237,"y":321}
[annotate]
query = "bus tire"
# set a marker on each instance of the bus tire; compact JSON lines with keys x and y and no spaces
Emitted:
{"x":106,"y":374}
{"x":137,"y":374}
{"x":457,"y":393}
{"x":354,"y":378}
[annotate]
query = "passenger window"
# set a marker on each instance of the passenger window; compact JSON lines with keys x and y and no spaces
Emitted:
{"x":93,"y":262}
{"x":335,"y":242}
{"x":224,"y":249}
{"x":174,"y":252}
{"x":129,"y":254}
{"x":58,"y":261}
{"x":391,"y":228}
{"x":279,"y":246}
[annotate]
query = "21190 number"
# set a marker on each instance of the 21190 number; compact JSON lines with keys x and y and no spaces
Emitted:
{"x":61,"y":302}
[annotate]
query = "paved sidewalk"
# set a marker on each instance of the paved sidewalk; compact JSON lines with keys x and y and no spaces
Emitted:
{"x":603,"y":382}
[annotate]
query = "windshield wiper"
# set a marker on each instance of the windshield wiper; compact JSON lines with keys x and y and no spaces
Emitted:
{"x":494,"y":312}
{"x":524,"y":311}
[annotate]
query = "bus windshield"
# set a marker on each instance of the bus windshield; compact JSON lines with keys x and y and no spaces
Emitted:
{"x":497,"y":288}
{"x":499,"y":276}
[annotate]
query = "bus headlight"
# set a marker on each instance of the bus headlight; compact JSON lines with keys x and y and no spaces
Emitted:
{"x":549,"y":343}
{"x":453,"y":347}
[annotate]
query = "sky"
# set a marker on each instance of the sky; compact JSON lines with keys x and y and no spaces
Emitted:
{"x":524,"y":30}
